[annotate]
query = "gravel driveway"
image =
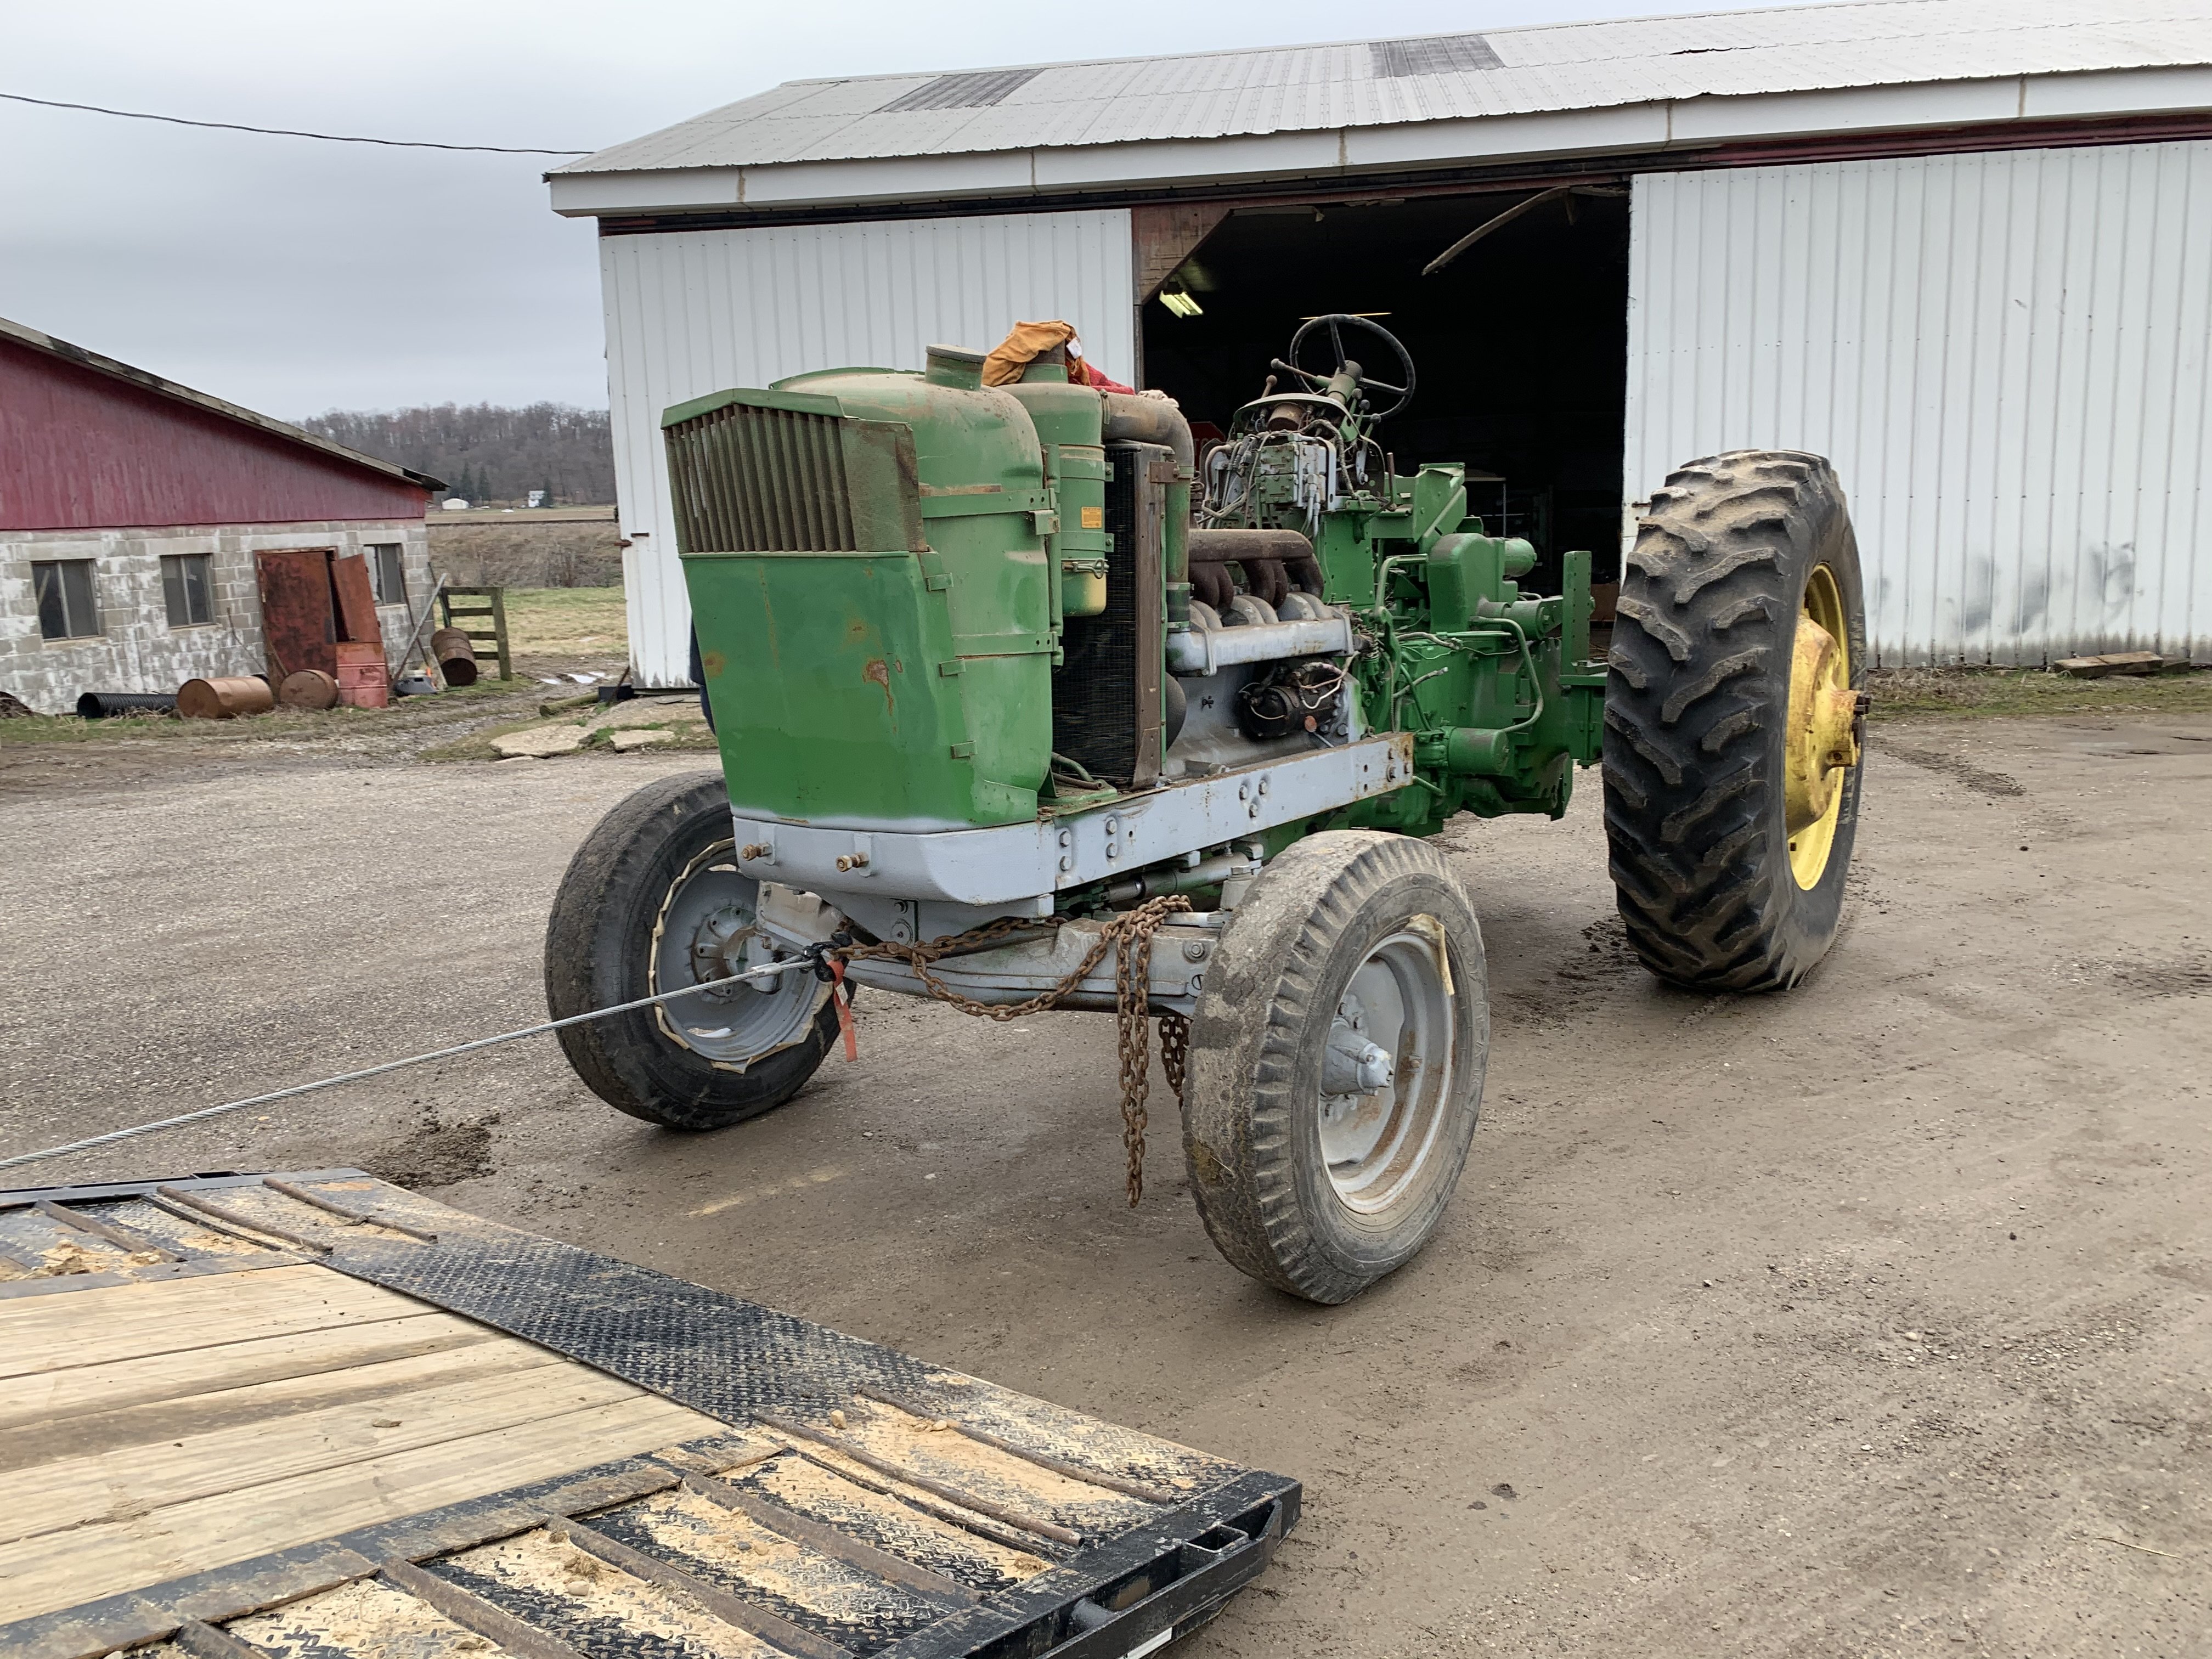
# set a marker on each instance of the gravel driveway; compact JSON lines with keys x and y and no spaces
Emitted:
{"x":1876,"y":1318}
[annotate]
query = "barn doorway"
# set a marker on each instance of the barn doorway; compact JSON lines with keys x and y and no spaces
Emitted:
{"x":1520,"y":341}
{"x":313,"y":599}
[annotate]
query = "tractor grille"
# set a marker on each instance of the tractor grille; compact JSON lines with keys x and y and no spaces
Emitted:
{"x":1094,"y":691}
{"x":753,"y":480}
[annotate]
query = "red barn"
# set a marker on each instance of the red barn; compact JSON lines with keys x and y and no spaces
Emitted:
{"x":137,"y":517}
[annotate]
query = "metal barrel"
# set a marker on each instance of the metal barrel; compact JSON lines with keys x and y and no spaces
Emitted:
{"x":99,"y":705}
{"x":364,"y":677}
{"x":310,"y":688}
{"x":457,"y":656}
{"x":225,"y":698}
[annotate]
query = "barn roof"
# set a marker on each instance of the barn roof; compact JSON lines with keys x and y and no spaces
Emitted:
{"x":38,"y":341}
{"x":1349,"y":86}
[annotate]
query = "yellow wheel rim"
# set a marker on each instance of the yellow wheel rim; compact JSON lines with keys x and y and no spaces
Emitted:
{"x":1821,"y":743}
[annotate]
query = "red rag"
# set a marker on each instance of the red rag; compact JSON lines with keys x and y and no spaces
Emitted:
{"x":1099,"y":377}
{"x":843,"y":1001}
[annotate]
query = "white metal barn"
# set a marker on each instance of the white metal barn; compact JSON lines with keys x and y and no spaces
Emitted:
{"x":1964,"y":247}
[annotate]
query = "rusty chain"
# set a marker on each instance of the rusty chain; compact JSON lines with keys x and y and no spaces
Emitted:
{"x":1131,"y":931}
{"x":919,"y":956}
{"x":1133,"y":984}
{"x":1174,"y":1049}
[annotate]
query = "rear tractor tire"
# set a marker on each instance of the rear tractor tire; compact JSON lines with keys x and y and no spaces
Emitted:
{"x":1732,"y":721}
{"x":652,"y":900}
{"x":1336,"y":1060}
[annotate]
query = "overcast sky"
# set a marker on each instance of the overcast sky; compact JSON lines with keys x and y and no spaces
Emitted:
{"x":295,"y":276}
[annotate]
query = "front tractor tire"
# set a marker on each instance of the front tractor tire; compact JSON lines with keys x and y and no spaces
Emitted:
{"x":1335,"y":1065}
{"x":1732,"y":722}
{"x":654,"y":899}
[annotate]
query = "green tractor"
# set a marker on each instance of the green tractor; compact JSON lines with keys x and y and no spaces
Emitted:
{"x":1023,"y":704}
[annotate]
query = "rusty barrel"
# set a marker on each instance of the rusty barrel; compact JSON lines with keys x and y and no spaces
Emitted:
{"x":310,"y":688}
{"x":225,"y":698}
{"x":364,"y":680}
{"x":457,"y":656}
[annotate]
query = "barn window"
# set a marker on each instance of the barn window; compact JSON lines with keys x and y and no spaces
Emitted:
{"x":387,"y":573}
{"x":64,"y":587}
{"x":188,"y":588}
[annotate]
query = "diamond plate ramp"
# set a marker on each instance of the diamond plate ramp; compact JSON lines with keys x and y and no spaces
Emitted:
{"x":497,"y":1440}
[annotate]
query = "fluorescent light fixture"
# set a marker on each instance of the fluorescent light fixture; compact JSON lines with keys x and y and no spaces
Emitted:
{"x":1179,"y":302}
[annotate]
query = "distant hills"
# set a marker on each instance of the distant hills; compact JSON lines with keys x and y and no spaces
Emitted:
{"x":485,"y":452}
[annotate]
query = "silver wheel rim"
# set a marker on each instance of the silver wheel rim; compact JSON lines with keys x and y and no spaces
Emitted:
{"x":1387,"y":1070}
{"x":707,"y":929}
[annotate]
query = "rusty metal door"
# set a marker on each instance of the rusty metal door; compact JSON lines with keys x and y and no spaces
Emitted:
{"x":356,"y":603}
{"x":298,"y":620}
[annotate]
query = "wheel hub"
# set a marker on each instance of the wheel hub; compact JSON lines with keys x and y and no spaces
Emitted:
{"x":1352,"y":1064}
{"x":721,"y":946}
{"x":1821,"y":743}
{"x":708,"y":930}
{"x":1386,"y":1070}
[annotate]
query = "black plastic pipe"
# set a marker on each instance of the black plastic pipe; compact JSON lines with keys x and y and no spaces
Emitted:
{"x":99,"y":705}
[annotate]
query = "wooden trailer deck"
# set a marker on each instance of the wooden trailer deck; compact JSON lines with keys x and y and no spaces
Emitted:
{"x":319,"y":1416}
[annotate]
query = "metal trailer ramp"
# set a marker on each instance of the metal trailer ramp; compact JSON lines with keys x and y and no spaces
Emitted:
{"x":317,"y":1416}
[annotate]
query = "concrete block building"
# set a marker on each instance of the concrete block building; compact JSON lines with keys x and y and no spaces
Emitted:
{"x":133,"y":514}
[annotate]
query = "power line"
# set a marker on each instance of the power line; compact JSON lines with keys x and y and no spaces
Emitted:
{"x":285,"y":132}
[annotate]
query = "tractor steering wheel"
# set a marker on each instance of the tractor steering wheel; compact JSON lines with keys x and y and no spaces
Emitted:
{"x":1333,"y":322}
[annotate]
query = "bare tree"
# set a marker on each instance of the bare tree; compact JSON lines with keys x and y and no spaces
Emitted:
{"x":505,"y":453}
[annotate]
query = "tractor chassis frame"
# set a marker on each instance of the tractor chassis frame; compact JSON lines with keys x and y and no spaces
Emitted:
{"x":1022,"y":967}
{"x":1017,"y":869}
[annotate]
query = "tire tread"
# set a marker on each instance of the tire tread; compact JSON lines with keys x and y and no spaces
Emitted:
{"x":1699,"y":677}
{"x":626,"y":1059}
{"x":1240,"y":1100}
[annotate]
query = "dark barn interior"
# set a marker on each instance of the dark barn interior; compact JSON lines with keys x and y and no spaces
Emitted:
{"x":1521,"y":342}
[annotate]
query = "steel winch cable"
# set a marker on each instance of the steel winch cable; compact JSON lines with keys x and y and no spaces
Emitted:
{"x":803,"y":963}
{"x":1128,"y":935}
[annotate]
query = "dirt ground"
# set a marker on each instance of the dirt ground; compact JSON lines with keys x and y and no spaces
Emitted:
{"x":1872,"y":1319}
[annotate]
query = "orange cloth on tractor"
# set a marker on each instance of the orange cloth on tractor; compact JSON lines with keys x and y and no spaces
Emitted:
{"x":1019,"y":348}
{"x":1030,"y":341}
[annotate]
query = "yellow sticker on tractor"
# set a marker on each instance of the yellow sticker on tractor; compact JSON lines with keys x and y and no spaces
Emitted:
{"x":1094,"y":518}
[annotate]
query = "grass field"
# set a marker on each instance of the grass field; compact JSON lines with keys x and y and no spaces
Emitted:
{"x":1957,"y":693}
{"x":566,"y":621}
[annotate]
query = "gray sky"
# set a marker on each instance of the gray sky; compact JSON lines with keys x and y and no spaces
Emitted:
{"x":295,"y":276}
